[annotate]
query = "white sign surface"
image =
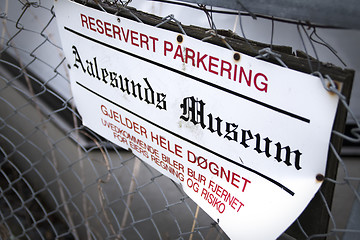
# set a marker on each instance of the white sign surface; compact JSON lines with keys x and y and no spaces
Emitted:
{"x":243,"y":137}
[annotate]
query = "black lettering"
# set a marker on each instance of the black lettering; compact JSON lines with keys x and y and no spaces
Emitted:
{"x":218,"y":124}
{"x":126,"y":88}
{"x":77,"y":59}
{"x":90,"y":68}
{"x":138,"y":87}
{"x":96,"y":69}
{"x":267,"y":145}
{"x":288,"y":152}
{"x":231,"y":129}
{"x":244,"y":139}
{"x":113,"y":79}
{"x":161,"y":103}
{"x":149,"y":93}
{"x":193,"y":110}
{"x":104,"y":74}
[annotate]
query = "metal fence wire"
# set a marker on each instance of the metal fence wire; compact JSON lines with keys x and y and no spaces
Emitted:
{"x":59,"y":180}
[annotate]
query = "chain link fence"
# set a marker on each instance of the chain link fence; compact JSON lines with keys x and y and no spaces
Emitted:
{"x":59,"y":180}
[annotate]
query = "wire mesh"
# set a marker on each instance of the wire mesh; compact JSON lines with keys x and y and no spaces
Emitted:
{"x":59,"y":180}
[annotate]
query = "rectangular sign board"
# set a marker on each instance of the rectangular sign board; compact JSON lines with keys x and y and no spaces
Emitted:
{"x":243,"y":137}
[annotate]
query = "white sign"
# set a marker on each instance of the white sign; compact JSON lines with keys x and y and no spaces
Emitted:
{"x":243,"y":137}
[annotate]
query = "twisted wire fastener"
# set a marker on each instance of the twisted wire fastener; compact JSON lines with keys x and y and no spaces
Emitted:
{"x":330,"y":86}
{"x":212,"y":33}
{"x":267,"y":53}
{"x":171,"y":18}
